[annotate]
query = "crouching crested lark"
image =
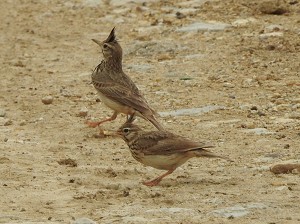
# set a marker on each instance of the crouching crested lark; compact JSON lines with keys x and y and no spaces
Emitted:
{"x":116,"y":89}
{"x":161,"y":149}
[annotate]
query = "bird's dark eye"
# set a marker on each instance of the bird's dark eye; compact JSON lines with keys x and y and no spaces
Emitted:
{"x":105,"y":46}
{"x":126,"y":130}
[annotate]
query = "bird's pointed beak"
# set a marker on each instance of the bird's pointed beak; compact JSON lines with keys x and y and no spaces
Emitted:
{"x":97,"y":42}
{"x":119,"y":133}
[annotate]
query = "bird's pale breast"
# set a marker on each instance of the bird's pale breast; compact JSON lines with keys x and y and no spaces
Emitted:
{"x":115,"y":105}
{"x":164,"y":162}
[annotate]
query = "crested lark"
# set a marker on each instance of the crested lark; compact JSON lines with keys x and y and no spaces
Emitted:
{"x":161,"y":149}
{"x":116,"y":89}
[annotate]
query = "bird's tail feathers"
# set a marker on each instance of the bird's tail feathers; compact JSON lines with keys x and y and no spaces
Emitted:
{"x":206,"y":153}
{"x":155,"y":123}
{"x":150,"y":118}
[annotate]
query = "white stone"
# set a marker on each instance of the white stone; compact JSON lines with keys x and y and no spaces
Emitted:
{"x":268,"y":35}
{"x":259,"y":131}
{"x":237,"y":210}
{"x":92,"y":3}
{"x":202,"y":26}
{"x":191,"y":3}
{"x":273,"y":28}
{"x":282,"y":188}
{"x":281,"y":120}
{"x":243,"y":22}
{"x":191,"y":111}
{"x":171,"y":210}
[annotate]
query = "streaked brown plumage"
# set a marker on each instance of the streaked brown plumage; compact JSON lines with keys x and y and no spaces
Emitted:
{"x":161,"y":149}
{"x":115,"y":88}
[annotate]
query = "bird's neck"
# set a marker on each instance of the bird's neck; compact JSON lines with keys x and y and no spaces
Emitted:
{"x":131,"y":138}
{"x":113,"y":63}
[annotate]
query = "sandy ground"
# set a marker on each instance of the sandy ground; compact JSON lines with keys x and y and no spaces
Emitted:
{"x":251,"y":69}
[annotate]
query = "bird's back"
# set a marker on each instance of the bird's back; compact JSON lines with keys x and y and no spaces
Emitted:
{"x":106,"y":76}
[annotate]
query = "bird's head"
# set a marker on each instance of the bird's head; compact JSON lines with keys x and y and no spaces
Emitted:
{"x":110,"y":47}
{"x":128,"y":131}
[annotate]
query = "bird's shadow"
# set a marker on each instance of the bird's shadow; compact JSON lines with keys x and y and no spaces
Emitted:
{"x":183,"y":181}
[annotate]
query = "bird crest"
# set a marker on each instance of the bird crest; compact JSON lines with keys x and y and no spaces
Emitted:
{"x":130,"y":119}
{"x":112,"y":37}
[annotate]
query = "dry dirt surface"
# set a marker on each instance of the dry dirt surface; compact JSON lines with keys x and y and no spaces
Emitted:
{"x":236,"y":60}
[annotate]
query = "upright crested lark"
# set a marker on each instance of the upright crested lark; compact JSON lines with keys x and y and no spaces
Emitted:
{"x":116,"y":89}
{"x":161,"y":149}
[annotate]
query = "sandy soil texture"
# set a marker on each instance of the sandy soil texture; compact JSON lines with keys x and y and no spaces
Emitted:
{"x":236,"y":60}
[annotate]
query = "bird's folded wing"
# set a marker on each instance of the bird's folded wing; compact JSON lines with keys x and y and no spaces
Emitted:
{"x":125,"y":96}
{"x":167,"y":143}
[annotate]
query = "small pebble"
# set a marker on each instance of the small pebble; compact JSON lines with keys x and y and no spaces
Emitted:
{"x":83,"y":112}
{"x":68,"y":162}
{"x":83,"y":221}
{"x":18,"y":64}
{"x":296,"y":100}
{"x":276,"y":96}
{"x":22,"y":123}
{"x":8,"y":122}
{"x":47,"y":100}
{"x":260,"y":113}
{"x":164,"y":57}
{"x":228,"y":85}
{"x":246,"y":83}
{"x":113,"y":186}
{"x":285,"y":168}
{"x":272,"y":7}
{"x":180,"y":15}
{"x":248,"y":125}
{"x":254,"y":108}
{"x":4,"y":121}
{"x":296,"y":106}
{"x":2,"y":113}
{"x":294,"y":115}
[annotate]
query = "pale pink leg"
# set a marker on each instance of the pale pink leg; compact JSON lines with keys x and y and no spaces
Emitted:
{"x":95,"y":124}
{"x":158,"y":179}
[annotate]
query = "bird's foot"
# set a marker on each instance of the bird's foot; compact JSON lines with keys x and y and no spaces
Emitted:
{"x":152,"y":183}
{"x":93,"y":124}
